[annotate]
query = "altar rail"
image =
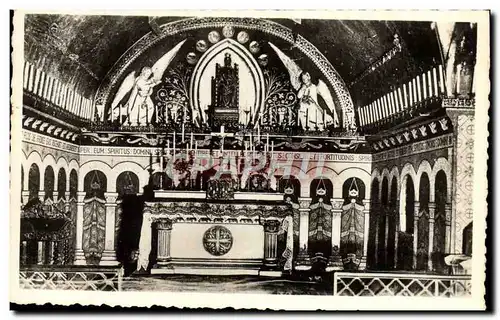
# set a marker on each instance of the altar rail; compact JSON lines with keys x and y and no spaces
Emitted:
{"x":399,"y":284}
{"x":71,"y":278}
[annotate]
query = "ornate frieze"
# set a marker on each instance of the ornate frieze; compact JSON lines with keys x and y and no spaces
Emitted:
{"x":412,"y":134}
{"x":432,"y":144}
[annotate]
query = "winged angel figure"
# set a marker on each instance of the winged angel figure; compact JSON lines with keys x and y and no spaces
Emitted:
{"x":139,"y":107}
{"x":311,"y":113}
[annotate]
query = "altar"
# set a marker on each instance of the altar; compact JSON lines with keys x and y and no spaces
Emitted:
{"x":217,"y":237}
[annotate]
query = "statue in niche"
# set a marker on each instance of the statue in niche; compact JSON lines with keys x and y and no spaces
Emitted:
{"x":139,"y":108}
{"x":226,"y":84}
{"x":311,"y":114}
{"x":225,"y":95}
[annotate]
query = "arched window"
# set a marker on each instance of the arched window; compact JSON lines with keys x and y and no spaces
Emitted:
{"x":127,"y":183}
{"x":353,"y":188}
{"x":95,"y":184}
{"x":439,"y":241}
{"x":321,"y":188}
{"x":374,"y":192}
{"x":423,"y":223}
{"x":61,"y":184}
{"x":73,"y":184}
{"x":34,"y":181}
{"x":467,"y":240}
{"x":382,"y":222}
{"x":410,"y":205}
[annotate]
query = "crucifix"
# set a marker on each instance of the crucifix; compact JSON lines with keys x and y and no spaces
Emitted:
{"x":222,"y":135}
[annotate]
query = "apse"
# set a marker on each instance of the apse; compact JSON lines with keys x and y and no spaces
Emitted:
{"x":250,"y":78}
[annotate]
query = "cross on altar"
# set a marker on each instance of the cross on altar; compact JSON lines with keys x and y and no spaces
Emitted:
{"x":221,"y":243}
{"x":222,"y":134}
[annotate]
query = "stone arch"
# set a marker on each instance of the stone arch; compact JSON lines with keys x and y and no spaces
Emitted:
{"x":96,"y":165}
{"x":408,"y":170}
{"x":266,"y":26}
{"x":49,"y":181}
{"x":394,"y":174}
{"x":34,"y":180}
{"x":99,"y":177}
{"x":134,"y":167}
{"x":359,"y":173}
{"x":62,"y":181}
{"x":425,"y":167}
{"x":444,"y":165}
{"x":249,"y":61}
{"x":48,"y":160}
{"x":33,"y":158}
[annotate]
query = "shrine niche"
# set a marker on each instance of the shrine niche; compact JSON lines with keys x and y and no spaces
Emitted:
{"x":214,"y":78}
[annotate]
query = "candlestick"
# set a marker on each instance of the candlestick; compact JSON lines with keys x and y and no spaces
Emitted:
{"x":191,"y":143}
{"x":183,"y":129}
{"x":267,"y":142}
{"x":324,"y":118}
{"x":173,"y":142}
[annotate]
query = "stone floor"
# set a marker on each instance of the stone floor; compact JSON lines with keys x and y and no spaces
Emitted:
{"x":235,"y":284}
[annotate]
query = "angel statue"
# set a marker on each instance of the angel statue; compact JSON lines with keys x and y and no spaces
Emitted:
{"x":311,"y":113}
{"x":139,"y":108}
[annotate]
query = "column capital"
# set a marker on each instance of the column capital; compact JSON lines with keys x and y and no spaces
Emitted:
{"x":164,"y":224}
{"x":111,"y":197}
{"x":80,"y":195}
{"x":337,"y":203}
{"x":271,"y":226}
{"x":304,"y":203}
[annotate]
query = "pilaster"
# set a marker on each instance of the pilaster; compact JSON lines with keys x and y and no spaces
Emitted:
{"x":79,"y":255}
{"x":303,"y":261}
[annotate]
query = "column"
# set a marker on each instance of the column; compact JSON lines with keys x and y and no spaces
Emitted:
{"x":396,"y":235}
{"x":41,"y":252}
{"x":164,"y":229}
{"x":24,"y":252}
{"x":303,"y":262}
{"x":366,"y":235}
{"x":25,"y":195}
{"x":447,"y":237}
{"x":109,"y":254}
{"x":51,"y":258}
{"x":415,"y":233}
{"x":271,"y":228}
{"x":386,"y":235}
{"x":432,"y":211}
{"x":66,"y":202}
{"x":335,"y":260}
{"x":41,"y":195}
{"x":376,"y":208}
{"x":79,"y":255}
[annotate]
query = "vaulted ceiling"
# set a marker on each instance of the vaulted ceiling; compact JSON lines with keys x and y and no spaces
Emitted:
{"x":82,"y":49}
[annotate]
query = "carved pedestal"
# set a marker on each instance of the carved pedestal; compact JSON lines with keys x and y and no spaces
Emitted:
{"x":164,"y":229}
{"x":271,"y":229}
{"x":109,"y":254}
{"x":303,"y":261}
{"x":79,"y":255}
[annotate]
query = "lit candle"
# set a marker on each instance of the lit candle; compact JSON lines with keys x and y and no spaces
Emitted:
{"x":434,"y":76}
{"x":400,"y":99}
{"x":183,"y":130}
{"x":441,"y":81}
{"x":410,"y":94}
{"x":429,"y":82}
{"x":419,"y":90}
{"x":424,"y":86}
